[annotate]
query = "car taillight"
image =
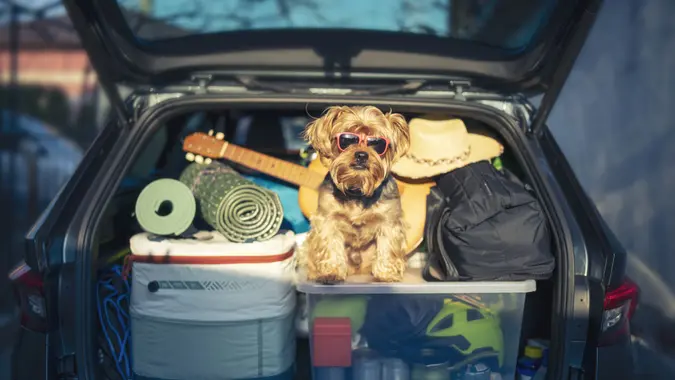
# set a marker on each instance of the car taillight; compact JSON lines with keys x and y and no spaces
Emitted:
{"x":30,"y":293}
{"x":619,"y":306}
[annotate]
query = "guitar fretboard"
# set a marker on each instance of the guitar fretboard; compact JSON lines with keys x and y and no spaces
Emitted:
{"x":286,"y":171}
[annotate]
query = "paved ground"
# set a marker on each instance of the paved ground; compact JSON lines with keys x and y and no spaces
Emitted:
{"x":650,"y":363}
{"x":9,"y":330}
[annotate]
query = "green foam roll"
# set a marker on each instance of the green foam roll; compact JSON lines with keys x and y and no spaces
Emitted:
{"x":166,"y":207}
{"x":234,"y":206}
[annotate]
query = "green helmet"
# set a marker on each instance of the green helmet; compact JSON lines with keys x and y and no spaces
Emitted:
{"x":352,"y":307}
{"x":468,"y":328}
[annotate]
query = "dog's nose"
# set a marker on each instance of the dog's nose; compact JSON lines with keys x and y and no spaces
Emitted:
{"x":361,"y":156}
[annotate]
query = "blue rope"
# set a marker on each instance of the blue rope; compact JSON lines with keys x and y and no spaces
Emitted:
{"x":113,"y":300}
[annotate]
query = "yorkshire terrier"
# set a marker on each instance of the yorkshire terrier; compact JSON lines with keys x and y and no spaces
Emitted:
{"x":358,"y":227}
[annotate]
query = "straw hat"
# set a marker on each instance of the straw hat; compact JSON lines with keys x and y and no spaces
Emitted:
{"x":439,"y":145}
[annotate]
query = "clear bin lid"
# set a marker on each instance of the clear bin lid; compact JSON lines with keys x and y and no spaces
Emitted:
{"x":413,"y":283}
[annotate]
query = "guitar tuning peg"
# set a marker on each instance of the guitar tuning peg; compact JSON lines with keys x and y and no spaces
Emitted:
{"x":211,"y":132}
{"x":199,"y":159}
{"x":190,"y":156}
{"x":208,"y":161}
{"x":220,"y":136}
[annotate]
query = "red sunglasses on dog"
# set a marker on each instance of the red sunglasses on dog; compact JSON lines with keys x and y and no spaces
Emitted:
{"x":346,"y":139}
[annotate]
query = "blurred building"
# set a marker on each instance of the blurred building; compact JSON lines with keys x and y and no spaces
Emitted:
{"x":49,"y":55}
{"x":54,"y":78}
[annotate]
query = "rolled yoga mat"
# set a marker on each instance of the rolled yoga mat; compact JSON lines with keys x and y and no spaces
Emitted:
{"x":166,"y":207}
{"x":234,"y":206}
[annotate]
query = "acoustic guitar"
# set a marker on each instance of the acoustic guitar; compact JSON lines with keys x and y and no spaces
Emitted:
{"x":202,"y":148}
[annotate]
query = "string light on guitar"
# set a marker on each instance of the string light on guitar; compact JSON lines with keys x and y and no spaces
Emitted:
{"x":198,"y":158}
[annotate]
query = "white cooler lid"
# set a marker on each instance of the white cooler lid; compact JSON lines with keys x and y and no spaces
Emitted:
{"x":208,"y":243}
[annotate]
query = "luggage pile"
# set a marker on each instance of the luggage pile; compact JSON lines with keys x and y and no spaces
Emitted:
{"x":213,"y":278}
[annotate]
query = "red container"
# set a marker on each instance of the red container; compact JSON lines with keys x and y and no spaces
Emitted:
{"x":331,"y":342}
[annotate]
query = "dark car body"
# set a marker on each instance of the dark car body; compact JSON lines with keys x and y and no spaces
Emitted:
{"x":489,"y":79}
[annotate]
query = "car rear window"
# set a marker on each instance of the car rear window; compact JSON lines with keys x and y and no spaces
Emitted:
{"x":508,"y":24}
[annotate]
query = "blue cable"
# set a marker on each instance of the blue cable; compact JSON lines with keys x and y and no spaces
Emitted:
{"x":121,"y":357}
{"x":117,"y":334}
{"x":105,"y":332}
{"x":114,"y":300}
{"x":119,"y":270}
{"x":106,"y":326}
{"x":122,"y":320}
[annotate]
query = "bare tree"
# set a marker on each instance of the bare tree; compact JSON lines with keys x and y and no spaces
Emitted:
{"x":208,"y":16}
{"x":414,"y":16}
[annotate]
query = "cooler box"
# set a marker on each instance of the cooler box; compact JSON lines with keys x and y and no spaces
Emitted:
{"x":414,"y":329}
{"x":206,"y":308}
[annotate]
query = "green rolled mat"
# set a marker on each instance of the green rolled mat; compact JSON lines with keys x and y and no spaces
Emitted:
{"x":234,"y":206}
{"x":166,"y":207}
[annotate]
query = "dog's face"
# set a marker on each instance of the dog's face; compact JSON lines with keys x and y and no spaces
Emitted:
{"x":358,"y":145}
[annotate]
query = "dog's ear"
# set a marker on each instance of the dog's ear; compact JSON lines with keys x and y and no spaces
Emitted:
{"x":401,"y":134}
{"x":319,"y":132}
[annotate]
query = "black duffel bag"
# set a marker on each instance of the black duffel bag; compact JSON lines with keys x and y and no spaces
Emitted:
{"x":484,"y":225}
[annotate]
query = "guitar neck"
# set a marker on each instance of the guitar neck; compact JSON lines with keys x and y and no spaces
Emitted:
{"x":284,"y":170}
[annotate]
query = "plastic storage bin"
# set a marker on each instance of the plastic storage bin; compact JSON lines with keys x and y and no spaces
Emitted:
{"x":414,"y":330}
{"x":205,"y":308}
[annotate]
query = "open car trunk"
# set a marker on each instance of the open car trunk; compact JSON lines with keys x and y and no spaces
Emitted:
{"x":270,"y":126}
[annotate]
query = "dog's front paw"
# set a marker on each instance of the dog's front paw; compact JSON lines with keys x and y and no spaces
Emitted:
{"x":388,"y":277}
{"x":388,"y":273}
{"x":327,"y":274}
{"x":330,"y":279}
